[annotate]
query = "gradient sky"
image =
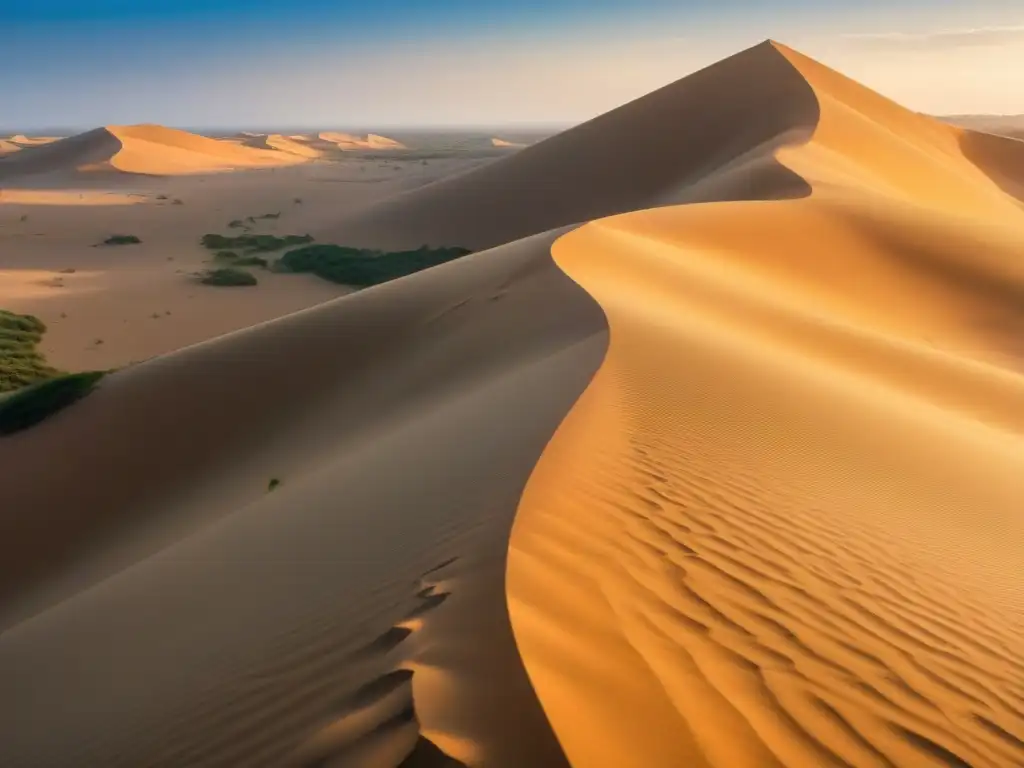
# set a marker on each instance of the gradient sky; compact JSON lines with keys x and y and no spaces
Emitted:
{"x":390,"y":63}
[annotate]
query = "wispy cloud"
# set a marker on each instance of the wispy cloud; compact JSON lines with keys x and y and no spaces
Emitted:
{"x":940,"y":40}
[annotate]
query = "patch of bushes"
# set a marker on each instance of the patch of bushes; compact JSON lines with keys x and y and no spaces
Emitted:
{"x":253,"y":243}
{"x":21,"y":364}
{"x":251,"y":261}
{"x":362,"y":267}
{"x":35,"y":403}
{"x":228,"y":277}
{"x":121,"y":240}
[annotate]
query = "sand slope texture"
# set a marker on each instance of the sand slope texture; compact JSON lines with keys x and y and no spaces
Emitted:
{"x":728,"y":475}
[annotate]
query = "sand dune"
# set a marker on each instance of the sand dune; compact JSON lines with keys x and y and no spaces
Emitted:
{"x":8,"y":146}
{"x":276,"y":658}
{"x":729,"y":475}
{"x":496,"y":142}
{"x":140,"y":149}
{"x":348,"y":141}
{"x":784,"y":519}
{"x":686,"y":142}
{"x":280,"y":143}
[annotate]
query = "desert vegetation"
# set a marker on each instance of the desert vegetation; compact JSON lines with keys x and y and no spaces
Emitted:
{"x":33,"y":404}
{"x":249,"y":244}
{"x":362,"y":267}
{"x":122,"y":240}
{"x":21,"y":363}
{"x":228,"y":277}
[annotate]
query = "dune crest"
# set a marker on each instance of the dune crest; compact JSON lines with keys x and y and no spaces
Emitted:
{"x":782,"y":525}
{"x":687,"y":143}
{"x":496,"y":142}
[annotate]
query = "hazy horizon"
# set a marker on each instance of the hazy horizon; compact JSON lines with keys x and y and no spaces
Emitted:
{"x":217,"y":65}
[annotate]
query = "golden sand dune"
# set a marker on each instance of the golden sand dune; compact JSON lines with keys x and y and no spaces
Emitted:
{"x":686,"y":142}
{"x":779,"y":526}
{"x":280,"y":143}
{"x":7,"y":146}
{"x":496,"y":142}
{"x":785,"y":518}
{"x":142,"y":149}
{"x":348,"y":141}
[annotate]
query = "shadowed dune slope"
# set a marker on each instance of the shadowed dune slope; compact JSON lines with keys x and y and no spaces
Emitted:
{"x":706,"y":137}
{"x":142,"y":149}
{"x":248,"y":626}
{"x":782,"y":526}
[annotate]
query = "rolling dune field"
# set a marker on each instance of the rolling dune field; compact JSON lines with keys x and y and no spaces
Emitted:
{"x":711,"y":455}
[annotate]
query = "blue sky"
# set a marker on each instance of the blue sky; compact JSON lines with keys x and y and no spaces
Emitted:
{"x":389,"y":63}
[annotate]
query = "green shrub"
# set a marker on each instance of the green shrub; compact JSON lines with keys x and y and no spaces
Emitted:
{"x":250,"y":261}
{"x":362,"y":267}
{"x":33,"y":404}
{"x":236,"y":224}
{"x":274,"y":482}
{"x":253,"y":243}
{"x":21,"y":364}
{"x":121,"y":240}
{"x":227,"y":277}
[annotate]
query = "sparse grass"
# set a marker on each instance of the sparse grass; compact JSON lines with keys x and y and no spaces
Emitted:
{"x":161,"y":197}
{"x":228,"y":277}
{"x":362,"y":267}
{"x":21,"y":364}
{"x":253,"y":243}
{"x":225,"y":255}
{"x":122,"y":240}
{"x":236,"y":224}
{"x":177,"y":201}
{"x":297,"y":201}
{"x":37,"y":402}
{"x":274,"y":483}
{"x":266,"y":216}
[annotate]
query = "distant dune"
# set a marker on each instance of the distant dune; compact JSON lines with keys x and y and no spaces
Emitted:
{"x":1001,"y":125}
{"x":141,"y":149}
{"x":502,"y":143}
{"x":276,"y":141}
{"x":8,"y":146}
{"x":371,"y":141}
{"x":712,"y":456}
{"x":33,"y":141}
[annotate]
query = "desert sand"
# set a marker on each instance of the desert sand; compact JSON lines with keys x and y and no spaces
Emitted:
{"x":710,"y":456}
{"x":505,"y":144}
{"x":108,"y":307}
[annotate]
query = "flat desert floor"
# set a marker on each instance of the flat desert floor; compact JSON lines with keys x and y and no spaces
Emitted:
{"x":711,"y":453}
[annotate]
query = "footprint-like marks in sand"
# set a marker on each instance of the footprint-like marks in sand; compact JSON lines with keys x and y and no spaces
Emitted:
{"x":376,"y":725}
